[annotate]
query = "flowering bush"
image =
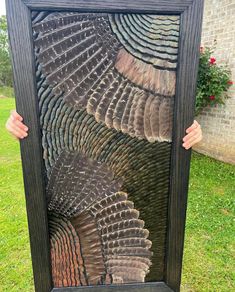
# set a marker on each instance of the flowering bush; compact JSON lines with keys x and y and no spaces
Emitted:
{"x":213,"y":81}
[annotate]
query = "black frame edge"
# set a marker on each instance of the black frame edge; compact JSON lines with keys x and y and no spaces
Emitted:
{"x":19,"y":20}
{"x":190,"y":36}
{"x":138,"y":287}
{"x":151,"y":6}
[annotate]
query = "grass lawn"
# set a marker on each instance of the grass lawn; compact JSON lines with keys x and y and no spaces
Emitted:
{"x":209,"y":245}
{"x":15,"y":268}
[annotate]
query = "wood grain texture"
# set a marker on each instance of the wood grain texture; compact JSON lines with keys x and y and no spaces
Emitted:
{"x":172,"y":6}
{"x":191,"y":24}
{"x":19,"y":16}
{"x":147,"y":287}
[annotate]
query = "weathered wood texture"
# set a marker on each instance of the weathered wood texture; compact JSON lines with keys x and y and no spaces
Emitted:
{"x":20,"y":33}
{"x":148,"y":287}
{"x":191,"y":21}
{"x":167,"y":6}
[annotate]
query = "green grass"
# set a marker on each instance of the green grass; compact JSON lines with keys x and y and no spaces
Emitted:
{"x":209,"y":248}
{"x":209,"y":245}
{"x":15,"y":268}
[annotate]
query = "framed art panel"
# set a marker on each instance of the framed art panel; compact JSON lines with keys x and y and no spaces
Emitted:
{"x":107,"y":91}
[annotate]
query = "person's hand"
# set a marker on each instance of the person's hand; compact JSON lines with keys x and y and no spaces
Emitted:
{"x":194,"y":135}
{"x":15,"y":125}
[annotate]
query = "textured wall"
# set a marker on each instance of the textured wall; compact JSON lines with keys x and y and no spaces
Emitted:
{"x":218,"y":123}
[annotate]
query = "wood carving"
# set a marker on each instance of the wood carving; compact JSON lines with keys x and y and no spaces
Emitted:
{"x":106,"y":86}
{"x":96,"y":83}
{"x":112,"y":66}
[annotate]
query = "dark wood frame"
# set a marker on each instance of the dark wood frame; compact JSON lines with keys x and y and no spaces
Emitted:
{"x":20,"y":33}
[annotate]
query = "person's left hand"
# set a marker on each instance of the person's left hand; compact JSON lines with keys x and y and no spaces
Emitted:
{"x":194,"y":135}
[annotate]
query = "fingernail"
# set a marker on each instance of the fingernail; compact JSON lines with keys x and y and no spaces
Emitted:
{"x":26,"y":134}
{"x":26,"y":128}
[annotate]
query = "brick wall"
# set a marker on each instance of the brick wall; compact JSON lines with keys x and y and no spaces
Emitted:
{"x":218,"y":123}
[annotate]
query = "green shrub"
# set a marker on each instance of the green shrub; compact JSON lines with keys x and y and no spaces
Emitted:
{"x":213,"y":81}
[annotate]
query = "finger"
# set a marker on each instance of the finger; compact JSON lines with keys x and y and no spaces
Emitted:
{"x":21,"y":125}
{"x":16,"y":115}
{"x":16,"y":124}
{"x":188,"y":136}
{"x":16,"y":131}
{"x":192,"y":127}
{"x":193,"y":141}
{"x":192,"y":133}
{"x":13,"y":132}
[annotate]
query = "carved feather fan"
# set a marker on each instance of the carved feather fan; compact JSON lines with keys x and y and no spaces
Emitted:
{"x":96,"y":234}
{"x":121,"y":68}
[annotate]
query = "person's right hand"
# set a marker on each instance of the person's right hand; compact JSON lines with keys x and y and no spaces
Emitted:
{"x":15,"y":125}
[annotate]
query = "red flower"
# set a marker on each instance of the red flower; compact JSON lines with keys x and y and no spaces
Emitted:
{"x":230,"y":82}
{"x":212,"y":60}
{"x":212,"y":97}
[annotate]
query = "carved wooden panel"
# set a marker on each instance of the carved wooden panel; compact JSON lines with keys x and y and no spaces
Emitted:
{"x":106,"y":86}
{"x":108,"y":98}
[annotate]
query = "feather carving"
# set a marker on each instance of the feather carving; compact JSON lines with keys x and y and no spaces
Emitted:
{"x":110,"y":65}
{"x":100,"y":228}
{"x":106,"y":86}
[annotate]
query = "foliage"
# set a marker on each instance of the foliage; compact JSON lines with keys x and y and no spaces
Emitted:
{"x":5,"y":62}
{"x":6,"y":91}
{"x":213,"y":81}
